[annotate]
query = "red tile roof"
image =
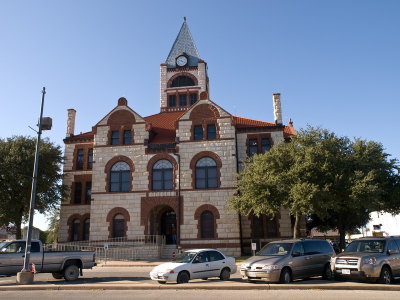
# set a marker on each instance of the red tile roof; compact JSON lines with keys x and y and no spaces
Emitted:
{"x":241,"y":122}
{"x":163,"y":127}
{"x":288,"y":131}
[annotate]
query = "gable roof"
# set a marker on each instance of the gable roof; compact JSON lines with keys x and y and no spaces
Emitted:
{"x":183,"y":44}
{"x":163,"y":127}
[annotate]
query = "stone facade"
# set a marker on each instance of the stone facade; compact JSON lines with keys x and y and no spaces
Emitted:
{"x":113,"y":177}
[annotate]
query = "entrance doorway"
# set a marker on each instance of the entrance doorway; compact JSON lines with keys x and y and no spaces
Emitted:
{"x":168,"y":226}
{"x":162,"y":221}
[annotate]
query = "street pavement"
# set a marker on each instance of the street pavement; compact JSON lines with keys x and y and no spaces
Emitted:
{"x":134,"y":275}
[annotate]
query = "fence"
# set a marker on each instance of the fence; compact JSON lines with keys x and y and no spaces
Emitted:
{"x":136,"y":248}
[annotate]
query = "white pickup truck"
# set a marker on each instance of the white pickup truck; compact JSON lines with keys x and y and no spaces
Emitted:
{"x":61,"y":264}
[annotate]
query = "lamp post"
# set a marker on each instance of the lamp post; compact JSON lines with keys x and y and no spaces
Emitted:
{"x":26,"y":276}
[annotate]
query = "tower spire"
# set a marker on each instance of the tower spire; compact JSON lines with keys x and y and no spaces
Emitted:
{"x":184,"y":43}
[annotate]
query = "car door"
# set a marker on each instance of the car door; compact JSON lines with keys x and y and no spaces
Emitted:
{"x":200,"y":267}
{"x":217,"y":263}
{"x":36,"y":256}
{"x":298,"y":261}
{"x":12,"y":258}
{"x":394,"y":257}
{"x":313,"y":257}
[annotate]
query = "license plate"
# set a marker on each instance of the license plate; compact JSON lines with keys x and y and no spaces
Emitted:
{"x":346,"y":271}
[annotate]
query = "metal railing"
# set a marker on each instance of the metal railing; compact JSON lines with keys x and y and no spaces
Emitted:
{"x":138,"y":247}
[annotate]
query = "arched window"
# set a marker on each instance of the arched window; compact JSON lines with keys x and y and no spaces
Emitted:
{"x":207,"y":224}
{"x":206,"y":173}
{"x":86,"y":229}
{"x":120,"y":177}
{"x":162,"y":175}
{"x":118,"y":226}
{"x":182,"y":81}
{"x":75,"y":230}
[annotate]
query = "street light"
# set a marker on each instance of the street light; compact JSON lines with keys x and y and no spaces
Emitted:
{"x":26,"y":276}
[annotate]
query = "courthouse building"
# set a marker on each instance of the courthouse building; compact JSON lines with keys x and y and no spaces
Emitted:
{"x":171,"y":173}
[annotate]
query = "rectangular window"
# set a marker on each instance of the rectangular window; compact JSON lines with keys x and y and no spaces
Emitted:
{"x":211,"y":132}
{"x":90,"y":159}
{"x":79,"y":159}
{"x":198,"y":132}
{"x":253,"y":148}
{"x":183,"y":100}
{"x":127,"y":137}
{"x":114,"y":137}
{"x":88,"y":192}
{"x":172,"y":100}
{"x":78,"y":193}
{"x":193,"y":98}
{"x":265,"y":145}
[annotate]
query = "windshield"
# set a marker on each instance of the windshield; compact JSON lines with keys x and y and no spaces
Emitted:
{"x":2,"y":245}
{"x":185,"y":257}
{"x":280,"y":249}
{"x":373,"y":246}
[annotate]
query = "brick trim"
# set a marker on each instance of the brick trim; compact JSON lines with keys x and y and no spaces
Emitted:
{"x":110,"y":217}
{"x":200,"y":155}
{"x":85,"y":148}
{"x":148,"y":203}
{"x":81,"y":219}
{"x":196,"y":82}
{"x":155,"y":159}
{"x":107,"y":170}
{"x":197,"y":216}
{"x":259,"y":138}
{"x":204,"y":115}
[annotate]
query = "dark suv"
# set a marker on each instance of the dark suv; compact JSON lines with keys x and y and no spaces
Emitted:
{"x":283,"y":261}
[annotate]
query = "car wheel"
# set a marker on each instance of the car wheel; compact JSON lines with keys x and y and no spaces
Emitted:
{"x":386,"y":276}
{"x":327,"y":273}
{"x":286,"y":276}
{"x":183,"y":277}
{"x":57,"y":275}
{"x":162,"y":282}
{"x":225,"y":274}
{"x":71,"y":273}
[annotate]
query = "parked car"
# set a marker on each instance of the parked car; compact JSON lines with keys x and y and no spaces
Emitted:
{"x":286,"y":260}
{"x":193,"y":264}
{"x":61,"y":264}
{"x":369,"y":259}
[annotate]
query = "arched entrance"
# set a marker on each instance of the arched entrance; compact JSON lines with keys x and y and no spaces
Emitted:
{"x":163,"y":222}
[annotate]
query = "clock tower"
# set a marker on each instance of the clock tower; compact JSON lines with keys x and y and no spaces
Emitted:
{"x":183,"y":76}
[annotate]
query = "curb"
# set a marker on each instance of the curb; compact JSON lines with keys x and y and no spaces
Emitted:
{"x":189,"y":286}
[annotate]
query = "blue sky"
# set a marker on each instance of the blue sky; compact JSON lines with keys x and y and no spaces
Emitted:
{"x":335,"y":63}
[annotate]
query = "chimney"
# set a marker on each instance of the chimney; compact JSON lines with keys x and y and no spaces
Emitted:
{"x":71,"y":122}
{"x":276,"y":100}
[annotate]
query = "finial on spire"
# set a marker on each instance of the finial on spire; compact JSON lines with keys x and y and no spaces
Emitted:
{"x":184,"y":19}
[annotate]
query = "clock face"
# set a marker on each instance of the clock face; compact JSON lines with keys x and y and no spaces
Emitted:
{"x":181,"y":61}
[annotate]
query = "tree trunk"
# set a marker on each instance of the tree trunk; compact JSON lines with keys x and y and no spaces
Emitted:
{"x":342,"y":237}
{"x":18,"y":234}
{"x":296,"y":229}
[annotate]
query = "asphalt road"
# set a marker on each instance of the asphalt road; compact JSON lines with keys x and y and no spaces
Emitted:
{"x":138,"y":277}
{"x":199,"y":295}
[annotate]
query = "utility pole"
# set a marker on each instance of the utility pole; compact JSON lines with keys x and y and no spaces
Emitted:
{"x":26,"y":276}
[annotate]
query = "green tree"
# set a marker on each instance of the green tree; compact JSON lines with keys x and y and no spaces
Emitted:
{"x":17,"y":156}
{"x":339,"y":180}
{"x":54,"y":225}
